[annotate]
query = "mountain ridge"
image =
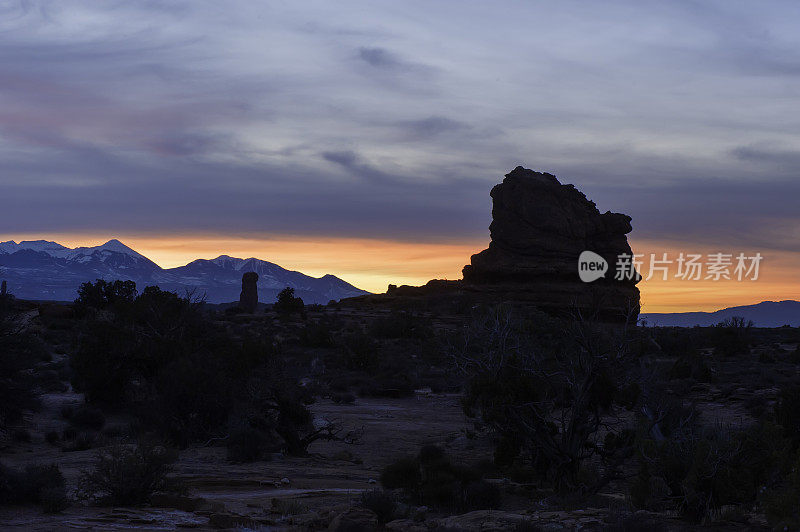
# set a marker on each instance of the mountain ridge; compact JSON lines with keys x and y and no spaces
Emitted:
{"x":763,"y":314}
{"x":45,"y":270}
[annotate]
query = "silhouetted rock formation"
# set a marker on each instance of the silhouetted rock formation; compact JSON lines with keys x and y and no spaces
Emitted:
{"x":248,"y":299}
{"x":539,"y":228}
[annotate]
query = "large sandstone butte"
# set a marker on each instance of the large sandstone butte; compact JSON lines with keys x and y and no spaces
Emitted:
{"x":539,"y":228}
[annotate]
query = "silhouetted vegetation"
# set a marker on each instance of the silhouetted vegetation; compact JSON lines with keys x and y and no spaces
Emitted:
{"x":698,"y":470}
{"x":381,"y":502}
{"x":105,"y":294}
{"x":124,"y":475}
{"x":317,"y":334}
{"x":35,"y":484}
{"x":20,"y":351}
{"x":161,"y":357}
{"x":547,"y":389}
{"x":732,"y":336}
{"x":86,"y":416}
{"x":691,"y":365}
{"x":787,"y":413}
{"x":287,"y":304}
{"x":247,"y":444}
{"x":401,"y":324}
{"x":432,"y":479}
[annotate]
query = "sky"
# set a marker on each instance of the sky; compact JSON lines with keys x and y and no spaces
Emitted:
{"x":362,"y":138}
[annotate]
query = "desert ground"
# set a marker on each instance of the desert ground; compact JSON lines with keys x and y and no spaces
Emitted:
{"x":323,"y":488}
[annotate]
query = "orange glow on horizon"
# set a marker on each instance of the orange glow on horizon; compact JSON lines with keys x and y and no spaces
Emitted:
{"x":777,"y":279}
{"x":373,"y":264}
{"x":368,"y":264}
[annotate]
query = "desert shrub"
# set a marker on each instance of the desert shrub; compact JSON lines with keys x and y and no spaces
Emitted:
{"x":82,"y":441}
{"x":780,"y":500}
{"x":232,"y":311}
{"x":288,"y":507}
{"x":544,"y":388}
{"x":480,"y":494}
{"x":52,"y":437}
{"x":703,"y":470}
{"x":690,"y":366}
{"x":402,"y":474}
{"x":115,"y":431}
{"x":127,"y":476}
{"x":272,"y":402}
{"x":287,"y":304}
{"x":185,"y":376}
{"x":401,"y":325}
{"x":732,"y":336}
{"x":87,"y":416}
{"x":103,"y":364}
{"x":787,"y":413}
{"x":50,"y":382}
{"x":381,"y":502}
{"x":316,"y":334}
{"x":53,"y":499}
{"x":16,"y":397}
{"x":192,"y":402}
{"x":247,"y":444}
{"x":20,"y":351}
{"x":794,"y":357}
{"x":358,"y":351}
{"x":21,"y":435}
{"x":44,"y":484}
{"x":507,"y":449}
{"x":766,"y":357}
{"x":430,"y":351}
{"x":36,"y":484}
{"x":431,"y":479}
{"x":429,"y":454}
{"x":677,"y":341}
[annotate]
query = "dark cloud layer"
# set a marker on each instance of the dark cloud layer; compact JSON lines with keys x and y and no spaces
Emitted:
{"x":253,"y":119}
{"x":379,"y":58}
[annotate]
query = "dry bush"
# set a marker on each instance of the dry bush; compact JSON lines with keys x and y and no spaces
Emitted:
{"x":432,"y":479}
{"x":127,"y":475}
{"x":36,"y":484}
{"x":549,"y":389}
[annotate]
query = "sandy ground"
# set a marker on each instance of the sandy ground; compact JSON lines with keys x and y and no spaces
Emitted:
{"x":333,"y":475}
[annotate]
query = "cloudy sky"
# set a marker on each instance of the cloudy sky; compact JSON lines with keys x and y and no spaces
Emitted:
{"x":362,"y":138}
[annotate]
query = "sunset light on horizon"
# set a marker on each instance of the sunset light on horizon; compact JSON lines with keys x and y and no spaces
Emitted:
{"x":373,"y":264}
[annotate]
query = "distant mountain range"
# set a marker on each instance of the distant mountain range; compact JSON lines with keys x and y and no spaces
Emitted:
{"x":44,"y":270}
{"x":764,"y":314}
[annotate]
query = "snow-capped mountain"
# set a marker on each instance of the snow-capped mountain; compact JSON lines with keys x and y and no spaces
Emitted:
{"x":51,"y":248}
{"x":38,"y":269}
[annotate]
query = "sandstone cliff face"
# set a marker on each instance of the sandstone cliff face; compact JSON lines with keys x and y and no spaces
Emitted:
{"x":539,"y":228}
